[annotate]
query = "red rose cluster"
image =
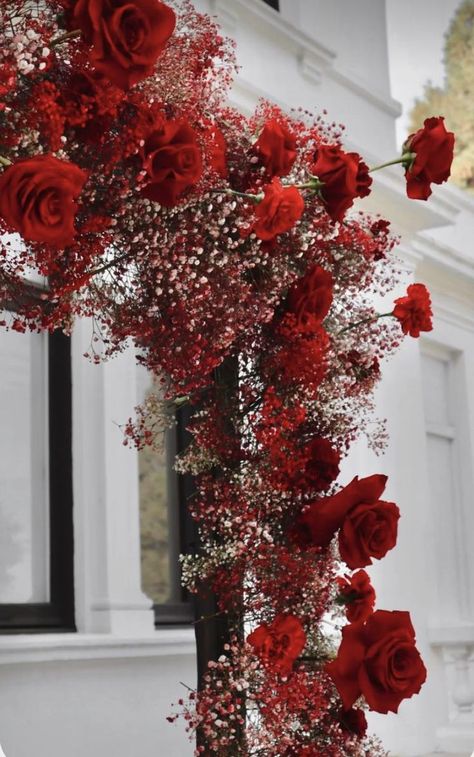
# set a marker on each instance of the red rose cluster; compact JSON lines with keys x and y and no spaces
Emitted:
{"x":223,"y":247}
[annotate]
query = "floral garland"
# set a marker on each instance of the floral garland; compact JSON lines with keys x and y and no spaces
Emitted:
{"x":140,"y":199}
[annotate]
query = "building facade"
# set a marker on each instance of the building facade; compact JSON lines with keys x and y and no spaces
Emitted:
{"x":88,"y":666}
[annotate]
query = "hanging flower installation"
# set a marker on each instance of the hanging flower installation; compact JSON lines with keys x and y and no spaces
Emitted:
{"x":205,"y":237}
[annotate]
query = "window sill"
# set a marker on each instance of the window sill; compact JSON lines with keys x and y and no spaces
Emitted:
{"x":65,"y":647}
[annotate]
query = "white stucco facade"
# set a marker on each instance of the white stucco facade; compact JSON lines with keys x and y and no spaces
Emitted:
{"x":107,"y":689}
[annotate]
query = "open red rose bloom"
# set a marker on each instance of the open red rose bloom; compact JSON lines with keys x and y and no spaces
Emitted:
{"x":378,"y":660}
{"x":432,"y":148}
{"x":414,"y":310}
{"x":211,"y":240}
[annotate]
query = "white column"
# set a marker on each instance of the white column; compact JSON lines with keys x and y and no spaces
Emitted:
{"x":106,"y":503}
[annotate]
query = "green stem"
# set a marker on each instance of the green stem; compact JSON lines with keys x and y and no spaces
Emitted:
{"x":187,"y":687}
{"x":181,"y":401}
{"x":407,"y":158}
{"x":66,"y":37}
{"x":372,"y":319}
{"x":248,"y":196}
{"x":310,"y":185}
{"x":4,"y":161}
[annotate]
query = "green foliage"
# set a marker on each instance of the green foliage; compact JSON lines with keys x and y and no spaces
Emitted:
{"x":455,"y":100}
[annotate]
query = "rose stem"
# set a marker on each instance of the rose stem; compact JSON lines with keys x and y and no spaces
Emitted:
{"x":365,"y":320}
{"x":65,"y":37}
{"x":407,"y":158}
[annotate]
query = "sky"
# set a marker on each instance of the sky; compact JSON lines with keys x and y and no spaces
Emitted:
{"x":416,"y":31}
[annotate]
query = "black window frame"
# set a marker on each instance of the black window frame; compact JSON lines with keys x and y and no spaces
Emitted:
{"x":58,"y":614}
{"x":275,"y":4}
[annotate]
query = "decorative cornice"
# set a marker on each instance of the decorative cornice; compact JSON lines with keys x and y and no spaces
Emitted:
{"x":314,"y":58}
{"x":452,"y":635}
{"x":459,"y":262}
{"x":379,"y":99}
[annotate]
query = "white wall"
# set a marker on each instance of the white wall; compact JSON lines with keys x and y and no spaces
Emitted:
{"x":106,"y":690}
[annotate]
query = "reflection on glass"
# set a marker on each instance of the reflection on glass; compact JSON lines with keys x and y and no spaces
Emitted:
{"x":24,"y":510}
{"x":154,"y":488}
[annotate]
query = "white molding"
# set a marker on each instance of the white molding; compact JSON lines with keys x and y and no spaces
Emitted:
{"x":274,"y":25}
{"x":315,"y":58}
{"x":228,"y":19}
{"x":443,"y":255}
{"x":109,"y":596}
{"x":379,"y":99}
{"x":27,"y":649}
{"x":454,"y":314}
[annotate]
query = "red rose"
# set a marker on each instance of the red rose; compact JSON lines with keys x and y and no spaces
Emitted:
{"x":278,"y":212}
{"x":310,"y":298}
{"x":322,"y":466}
{"x":358,"y":594}
{"x":280,"y":643}
{"x":344,"y":177}
{"x":276,"y":146}
{"x":379,"y":660}
{"x":354,"y":721}
{"x":433,"y":148}
{"x":414,"y":310}
{"x":127,"y":36}
{"x":367,"y":526}
{"x":172,"y":160}
{"x":38,"y":199}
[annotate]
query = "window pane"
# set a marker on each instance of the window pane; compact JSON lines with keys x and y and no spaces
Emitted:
{"x":24,"y":509}
{"x":436,"y":389}
{"x":159,"y":533}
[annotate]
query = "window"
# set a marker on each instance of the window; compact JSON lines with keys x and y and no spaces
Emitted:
{"x":273,"y":4}
{"x":441,"y":391}
{"x":36,"y":538}
{"x":165,"y":526}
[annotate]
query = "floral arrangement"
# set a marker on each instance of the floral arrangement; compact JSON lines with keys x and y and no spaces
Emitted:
{"x":137,"y":197}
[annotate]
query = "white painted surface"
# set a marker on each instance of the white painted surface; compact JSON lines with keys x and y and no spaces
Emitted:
{"x":106,"y":690}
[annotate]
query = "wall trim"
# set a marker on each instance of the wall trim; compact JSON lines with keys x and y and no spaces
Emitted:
{"x":20,"y":650}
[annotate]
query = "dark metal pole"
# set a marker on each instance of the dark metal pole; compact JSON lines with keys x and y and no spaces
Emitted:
{"x":211,"y":627}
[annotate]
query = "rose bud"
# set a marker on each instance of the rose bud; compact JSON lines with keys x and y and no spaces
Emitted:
{"x":358,"y":595}
{"x":276,"y":146}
